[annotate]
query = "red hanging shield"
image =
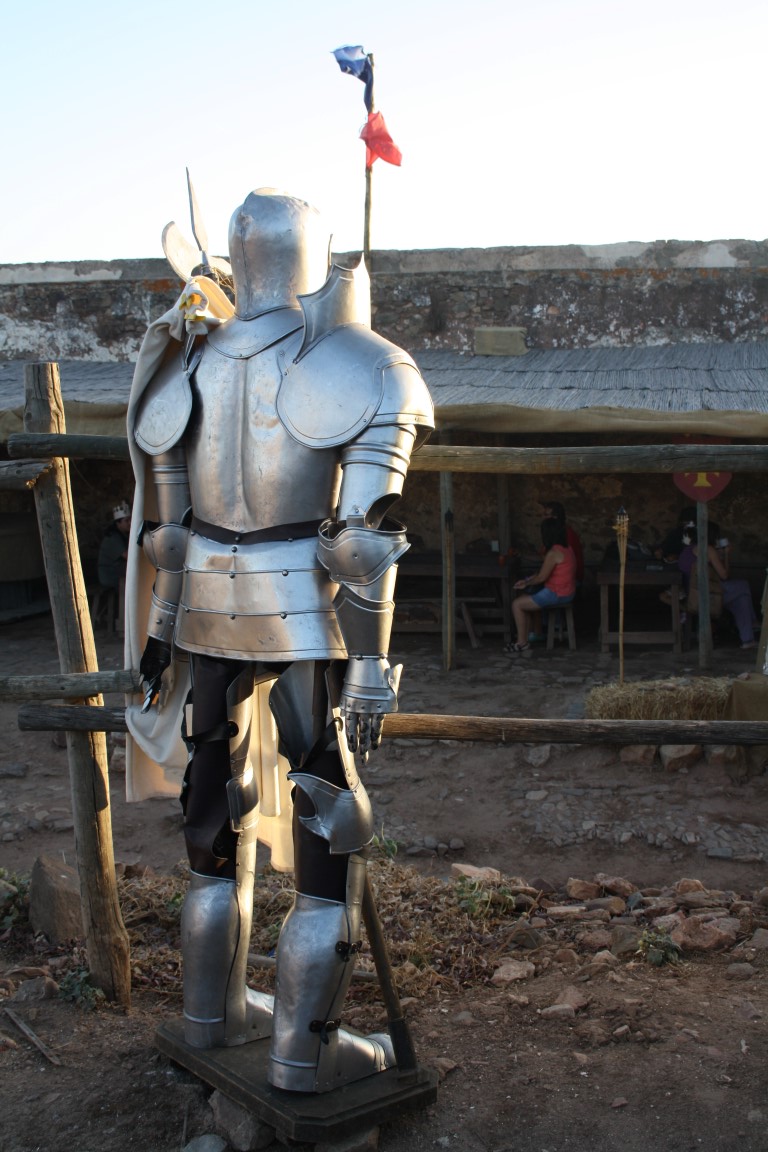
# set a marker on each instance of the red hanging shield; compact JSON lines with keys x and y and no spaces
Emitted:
{"x":702,"y":486}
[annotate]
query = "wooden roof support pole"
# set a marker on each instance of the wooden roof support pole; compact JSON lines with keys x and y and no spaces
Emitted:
{"x":105,"y":934}
{"x":705,"y":620}
{"x":449,"y":571}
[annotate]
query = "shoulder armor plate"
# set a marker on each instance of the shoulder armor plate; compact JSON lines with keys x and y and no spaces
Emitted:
{"x":164,"y":408}
{"x":242,"y":339}
{"x":335,"y":390}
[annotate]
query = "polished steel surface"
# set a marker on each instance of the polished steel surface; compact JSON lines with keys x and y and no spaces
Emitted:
{"x":309,"y":1052}
{"x":215,"y":932}
{"x":343,"y":816}
{"x":279,"y":250}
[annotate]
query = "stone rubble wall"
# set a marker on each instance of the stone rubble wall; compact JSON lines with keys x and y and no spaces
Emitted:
{"x":565,"y":297}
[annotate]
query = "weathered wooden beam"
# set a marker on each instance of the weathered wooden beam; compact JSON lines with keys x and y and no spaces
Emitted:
{"x":67,"y":446}
{"x":19,"y":475}
{"x":496,"y":729}
{"x":598,"y":458}
{"x":73,"y":685}
{"x":105,"y":935}
{"x":462,"y":458}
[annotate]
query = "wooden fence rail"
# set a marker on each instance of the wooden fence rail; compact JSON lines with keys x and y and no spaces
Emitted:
{"x":461,"y":458}
{"x":422,"y":726}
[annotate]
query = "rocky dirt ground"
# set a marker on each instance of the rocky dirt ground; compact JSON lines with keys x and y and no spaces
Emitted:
{"x":559,"y":1035}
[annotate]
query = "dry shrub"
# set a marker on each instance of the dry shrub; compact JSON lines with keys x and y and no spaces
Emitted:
{"x":679,"y":698}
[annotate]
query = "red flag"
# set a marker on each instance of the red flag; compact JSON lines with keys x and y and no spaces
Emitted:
{"x":378,"y":141}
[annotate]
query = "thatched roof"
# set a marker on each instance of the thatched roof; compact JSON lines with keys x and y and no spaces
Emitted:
{"x":713,"y":388}
{"x":719,"y":389}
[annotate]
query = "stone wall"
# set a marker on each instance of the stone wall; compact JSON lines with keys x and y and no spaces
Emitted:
{"x":570,"y":297}
{"x":563,"y":297}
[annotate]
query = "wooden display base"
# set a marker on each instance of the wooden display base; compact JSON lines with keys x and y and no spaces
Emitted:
{"x":241,"y":1074}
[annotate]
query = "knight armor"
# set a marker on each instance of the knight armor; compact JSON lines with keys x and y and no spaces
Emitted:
{"x":278,"y":444}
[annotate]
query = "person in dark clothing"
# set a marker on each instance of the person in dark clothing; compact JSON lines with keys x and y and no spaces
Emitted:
{"x":113,"y":550}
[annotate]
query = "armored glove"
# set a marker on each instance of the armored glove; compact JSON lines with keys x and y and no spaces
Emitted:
{"x":369,"y":693}
{"x":154,"y":661}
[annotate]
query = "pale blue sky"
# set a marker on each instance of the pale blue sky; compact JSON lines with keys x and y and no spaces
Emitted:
{"x":520,"y":121}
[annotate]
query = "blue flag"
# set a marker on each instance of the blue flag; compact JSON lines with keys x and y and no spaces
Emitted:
{"x":355,"y":62}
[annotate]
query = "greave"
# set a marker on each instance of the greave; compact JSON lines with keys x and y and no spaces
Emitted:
{"x":219,"y":1010}
{"x":316,"y":955}
{"x":218,"y":913}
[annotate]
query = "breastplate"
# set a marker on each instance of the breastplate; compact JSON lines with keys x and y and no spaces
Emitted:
{"x":246,"y":471}
{"x":254,"y":600}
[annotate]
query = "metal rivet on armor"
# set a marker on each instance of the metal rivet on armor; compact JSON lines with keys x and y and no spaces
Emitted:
{"x":232,"y":575}
{"x":234,"y":548}
{"x":283,"y":615}
{"x":285,"y":571}
{"x":238,"y":538}
{"x":291,"y":539}
{"x":233,"y":617}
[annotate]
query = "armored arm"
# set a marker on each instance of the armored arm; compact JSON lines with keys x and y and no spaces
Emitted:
{"x":360,"y":548}
{"x":164,"y":543}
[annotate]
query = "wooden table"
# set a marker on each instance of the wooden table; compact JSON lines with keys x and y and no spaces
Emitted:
{"x":670,"y":578}
{"x":472,"y":570}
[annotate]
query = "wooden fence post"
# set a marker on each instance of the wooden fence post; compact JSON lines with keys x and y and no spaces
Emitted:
{"x":105,"y":934}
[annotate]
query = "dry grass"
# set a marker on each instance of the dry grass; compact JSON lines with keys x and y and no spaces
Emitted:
{"x":679,"y":698}
{"x":441,"y":937}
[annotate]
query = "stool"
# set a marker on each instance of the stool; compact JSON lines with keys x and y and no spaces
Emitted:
{"x":555,"y":620}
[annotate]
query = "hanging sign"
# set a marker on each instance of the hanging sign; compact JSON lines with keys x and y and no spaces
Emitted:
{"x":702,"y":486}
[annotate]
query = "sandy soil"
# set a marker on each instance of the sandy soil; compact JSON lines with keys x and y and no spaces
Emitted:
{"x":673,"y":1057}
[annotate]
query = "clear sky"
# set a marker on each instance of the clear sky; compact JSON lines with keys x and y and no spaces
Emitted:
{"x":521,"y":122}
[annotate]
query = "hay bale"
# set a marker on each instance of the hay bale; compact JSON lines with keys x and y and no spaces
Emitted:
{"x":678,"y":698}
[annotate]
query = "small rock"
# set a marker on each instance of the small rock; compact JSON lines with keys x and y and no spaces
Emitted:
{"x":624,"y":939}
{"x":54,"y":900}
{"x":619,"y":1102}
{"x":444,"y":1066}
{"x":243,"y":1129}
{"x":40,"y":988}
{"x":688,"y":885}
{"x":16,"y":771}
{"x":558,"y":1012}
{"x":582,"y":889}
{"x":677,"y":756}
{"x":641,"y":755}
{"x":456,"y":844}
{"x":207,"y":1143}
{"x":512,"y":970}
{"x":538,"y":754}
{"x":566,"y":956}
{"x":472,"y":872}
{"x":697,"y":935}
{"x":741,"y":971}
{"x":616,"y":885}
{"x":759,"y":939}
{"x":573,"y":996}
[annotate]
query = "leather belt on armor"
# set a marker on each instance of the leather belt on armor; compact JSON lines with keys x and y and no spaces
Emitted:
{"x":300,"y":531}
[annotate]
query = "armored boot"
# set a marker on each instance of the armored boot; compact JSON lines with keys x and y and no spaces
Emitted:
{"x":318,"y":943}
{"x":219,"y":1010}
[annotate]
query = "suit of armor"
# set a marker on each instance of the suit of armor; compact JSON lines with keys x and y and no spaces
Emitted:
{"x":277,"y":445}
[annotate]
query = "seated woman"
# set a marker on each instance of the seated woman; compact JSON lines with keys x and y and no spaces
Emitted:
{"x":558,"y":575}
{"x":737,"y":595}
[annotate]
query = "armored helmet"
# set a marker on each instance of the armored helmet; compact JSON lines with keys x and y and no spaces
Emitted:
{"x":278,"y":249}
